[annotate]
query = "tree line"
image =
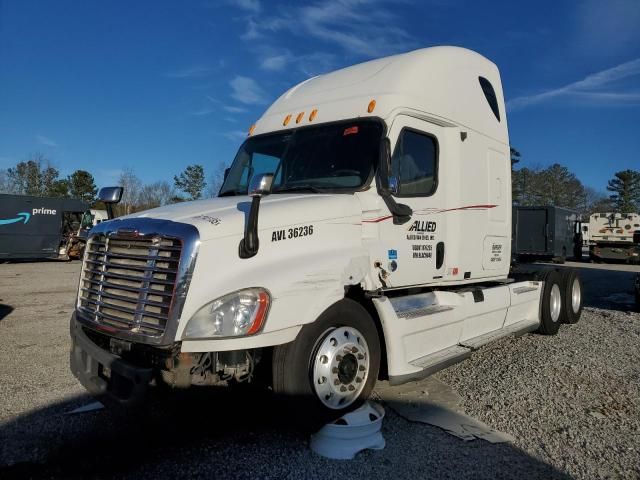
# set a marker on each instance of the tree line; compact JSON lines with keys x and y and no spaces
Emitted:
{"x":556,"y":185}
{"x":38,"y":177}
{"x":553,"y":185}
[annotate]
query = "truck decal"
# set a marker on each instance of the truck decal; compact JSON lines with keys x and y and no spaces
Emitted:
{"x":294,"y":232}
{"x":428,"y":211}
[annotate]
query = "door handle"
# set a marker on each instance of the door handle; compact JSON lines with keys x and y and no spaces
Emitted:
{"x":439,"y":255}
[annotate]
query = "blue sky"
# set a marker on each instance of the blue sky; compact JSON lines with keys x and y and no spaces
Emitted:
{"x":155,"y":86}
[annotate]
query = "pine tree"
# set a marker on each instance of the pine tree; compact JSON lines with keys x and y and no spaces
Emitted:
{"x":82,"y":186}
{"x":625,"y":186}
{"x":191,"y":181}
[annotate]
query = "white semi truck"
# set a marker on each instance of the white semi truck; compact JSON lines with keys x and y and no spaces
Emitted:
{"x":362,"y":232}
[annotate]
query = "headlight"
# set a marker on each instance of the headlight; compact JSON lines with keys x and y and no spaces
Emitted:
{"x":237,"y":314}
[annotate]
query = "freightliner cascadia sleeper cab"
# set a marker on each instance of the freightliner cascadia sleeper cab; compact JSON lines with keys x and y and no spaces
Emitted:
{"x":363,"y":231}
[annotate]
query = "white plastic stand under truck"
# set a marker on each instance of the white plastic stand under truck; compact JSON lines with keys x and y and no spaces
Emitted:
{"x":363,"y":231}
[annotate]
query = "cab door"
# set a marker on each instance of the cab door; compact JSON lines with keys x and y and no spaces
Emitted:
{"x":416,"y":251}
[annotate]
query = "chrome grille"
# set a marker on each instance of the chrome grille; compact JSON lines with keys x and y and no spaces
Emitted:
{"x":128,"y":283}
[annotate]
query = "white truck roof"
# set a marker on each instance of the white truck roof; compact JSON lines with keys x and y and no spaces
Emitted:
{"x":441,"y":83}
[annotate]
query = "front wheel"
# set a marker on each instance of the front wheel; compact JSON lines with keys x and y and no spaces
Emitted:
{"x":333,"y":364}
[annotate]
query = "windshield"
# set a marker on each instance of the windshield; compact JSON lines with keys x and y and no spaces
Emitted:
{"x":336,"y":157}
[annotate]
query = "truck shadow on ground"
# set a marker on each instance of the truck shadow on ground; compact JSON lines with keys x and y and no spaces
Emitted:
{"x":234,"y":433}
{"x":5,"y":310}
{"x":603,"y":287}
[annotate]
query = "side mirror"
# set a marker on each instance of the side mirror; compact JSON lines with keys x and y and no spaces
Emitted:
{"x":394,"y":185}
{"x":261,"y":185}
{"x":109,"y":195}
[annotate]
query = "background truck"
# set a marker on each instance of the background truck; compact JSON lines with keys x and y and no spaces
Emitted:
{"x":37,"y":227}
{"x":363,"y":231}
{"x":614,"y":236}
{"x":546,"y":233}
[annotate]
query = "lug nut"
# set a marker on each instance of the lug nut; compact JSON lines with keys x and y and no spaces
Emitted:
{"x":333,"y":342}
{"x":354,"y":350}
{"x":343,"y":388}
{"x":351,"y":388}
{"x":324,"y":359}
{"x":334,"y":370}
{"x":360,"y":356}
{"x":358,"y":380}
{"x":361,"y":368}
{"x":322,"y":380}
{"x":336,"y":382}
{"x":339,"y":358}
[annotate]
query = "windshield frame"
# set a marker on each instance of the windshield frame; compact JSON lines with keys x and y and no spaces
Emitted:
{"x":366,"y":185}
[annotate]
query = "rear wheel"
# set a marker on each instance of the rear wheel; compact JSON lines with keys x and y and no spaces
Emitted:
{"x":333,"y":364}
{"x":572,"y":290}
{"x":551,"y":312}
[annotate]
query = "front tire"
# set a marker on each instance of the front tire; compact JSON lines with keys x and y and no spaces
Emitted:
{"x":333,"y":363}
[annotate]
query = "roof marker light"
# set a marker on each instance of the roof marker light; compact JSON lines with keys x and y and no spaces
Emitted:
{"x":286,"y":120}
{"x":313,"y":114}
{"x":251,"y":129}
{"x":372,"y":106}
{"x":299,"y":117}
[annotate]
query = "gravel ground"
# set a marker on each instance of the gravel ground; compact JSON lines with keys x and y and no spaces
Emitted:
{"x":571,"y":402}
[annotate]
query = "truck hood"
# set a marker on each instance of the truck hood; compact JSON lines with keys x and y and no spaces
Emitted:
{"x":226,"y":216}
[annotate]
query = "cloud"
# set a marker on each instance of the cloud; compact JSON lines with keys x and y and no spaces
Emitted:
{"x":247,"y":91}
{"x":275,"y":63}
{"x":235,"y":135}
{"x":252,"y":6}
{"x":273,"y":59}
{"x":360,"y":27}
{"x":198,"y":71}
{"x":203,"y":112}
{"x":46,"y":141}
{"x":233,"y":109}
{"x":592,"y":88}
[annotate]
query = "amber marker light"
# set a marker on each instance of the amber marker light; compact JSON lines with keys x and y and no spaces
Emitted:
{"x":299,"y":117}
{"x":313,"y":114}
{"x":251,"y":129}
{"x":286,"y":120}
{"x":372,"y":106}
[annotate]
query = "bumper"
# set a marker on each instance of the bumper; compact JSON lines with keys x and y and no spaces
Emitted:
{"x":104,"y":374}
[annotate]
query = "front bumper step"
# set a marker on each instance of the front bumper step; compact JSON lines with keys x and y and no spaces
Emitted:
{"x":105,"y":375}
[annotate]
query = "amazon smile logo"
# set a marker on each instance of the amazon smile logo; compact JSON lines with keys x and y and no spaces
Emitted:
{"x":22,"y":217}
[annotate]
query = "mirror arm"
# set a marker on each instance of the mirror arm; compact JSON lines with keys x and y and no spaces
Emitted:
{"x":250,"y":244}
{"x":110,"y":214}
{"x":260,"y":185}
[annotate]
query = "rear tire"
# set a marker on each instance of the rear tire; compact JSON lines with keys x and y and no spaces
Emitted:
{"x":551,"y":311}
{"x":332,"y":365}
{"x":572,"y":292}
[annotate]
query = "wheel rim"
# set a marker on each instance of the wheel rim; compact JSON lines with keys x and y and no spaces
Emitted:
{"x":555,"y":302}
{"x":340,"y":367}
{"x":576,"y":295}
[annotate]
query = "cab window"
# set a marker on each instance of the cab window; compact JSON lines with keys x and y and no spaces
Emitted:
{"x":414,"y":164}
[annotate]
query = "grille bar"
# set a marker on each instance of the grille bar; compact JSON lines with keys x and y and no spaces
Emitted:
{"x":128,"y":282}
{"x":133,"y":278}
{"x":122,"y":298}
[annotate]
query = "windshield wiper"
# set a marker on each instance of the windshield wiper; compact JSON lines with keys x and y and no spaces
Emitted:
{"x":299,"y":188}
